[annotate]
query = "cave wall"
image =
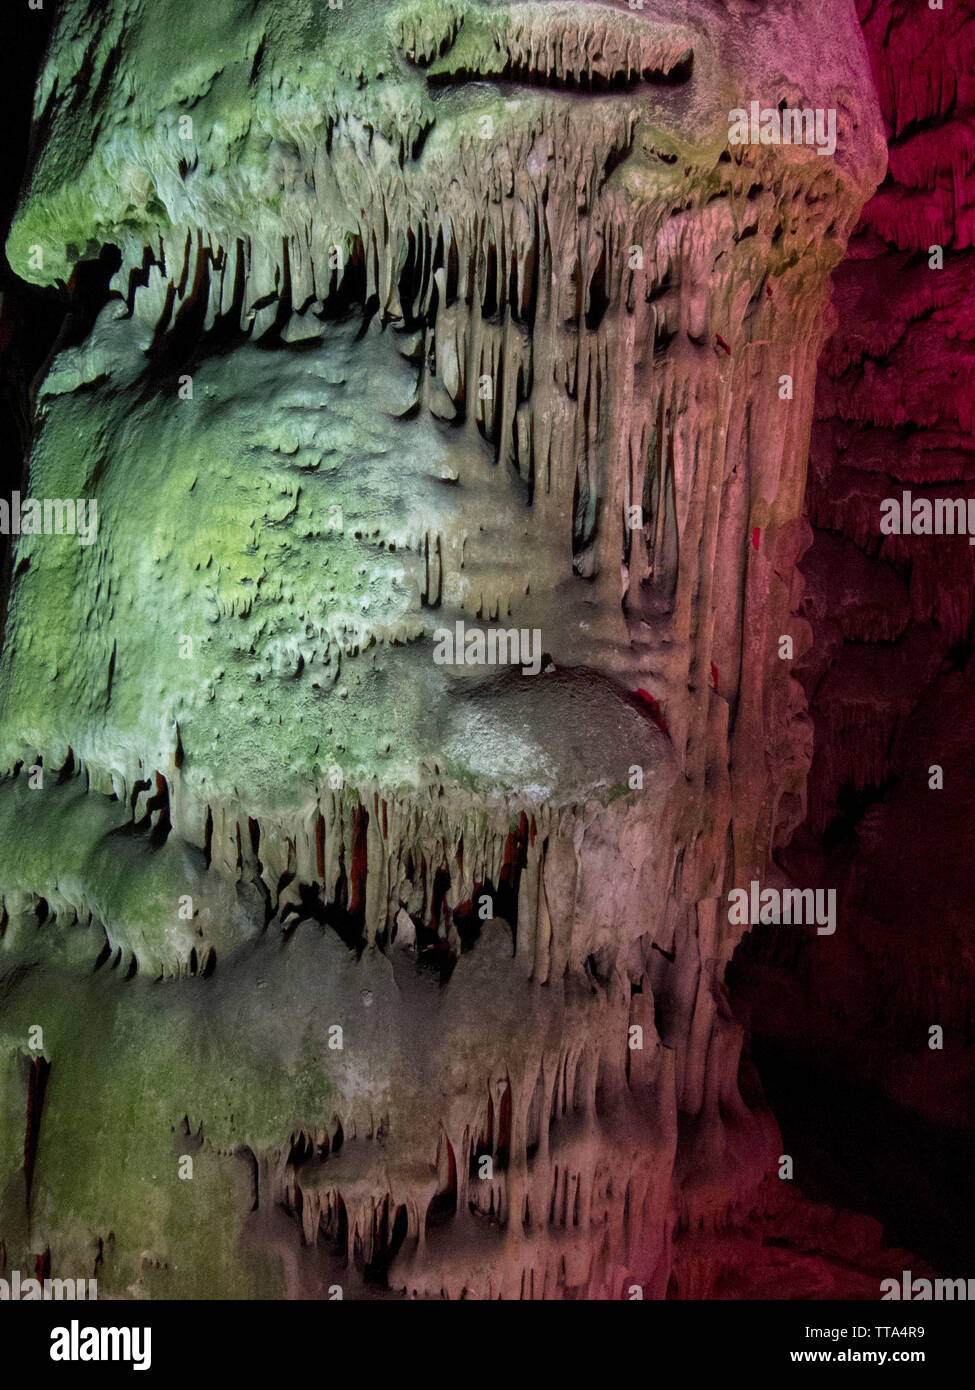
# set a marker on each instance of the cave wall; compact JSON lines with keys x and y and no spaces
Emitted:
{"x":891,"y":684}
{"x":609,"y":1168}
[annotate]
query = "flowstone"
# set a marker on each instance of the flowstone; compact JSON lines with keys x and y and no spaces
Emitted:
{"x":426,"y":313}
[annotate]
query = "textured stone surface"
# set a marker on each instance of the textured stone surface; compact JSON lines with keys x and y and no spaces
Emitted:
{"x":430,"y":380}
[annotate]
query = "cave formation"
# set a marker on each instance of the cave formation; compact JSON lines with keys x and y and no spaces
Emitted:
{"x":377,"y":320}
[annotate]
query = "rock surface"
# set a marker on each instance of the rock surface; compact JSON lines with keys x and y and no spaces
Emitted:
{"x":424,"y":315}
